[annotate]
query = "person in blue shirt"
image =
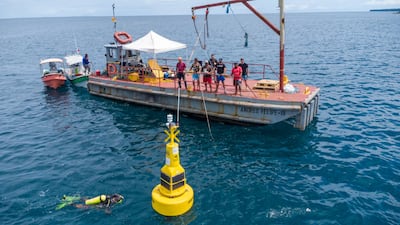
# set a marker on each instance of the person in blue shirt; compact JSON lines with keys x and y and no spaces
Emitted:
{"x":86,"y":62}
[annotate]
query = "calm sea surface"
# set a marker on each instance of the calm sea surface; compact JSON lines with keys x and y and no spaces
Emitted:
{"x":344,"y":169}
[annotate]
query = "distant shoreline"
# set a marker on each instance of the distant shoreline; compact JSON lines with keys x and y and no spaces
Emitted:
{"x":385,"y":10}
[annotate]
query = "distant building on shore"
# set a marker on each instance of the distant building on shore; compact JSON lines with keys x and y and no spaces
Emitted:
{"x":385,"y":10}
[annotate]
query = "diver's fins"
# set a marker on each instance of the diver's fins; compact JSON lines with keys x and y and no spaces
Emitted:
{"x":67,"y":200}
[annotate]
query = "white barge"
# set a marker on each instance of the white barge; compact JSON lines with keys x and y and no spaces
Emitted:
{"x":263,"y":102}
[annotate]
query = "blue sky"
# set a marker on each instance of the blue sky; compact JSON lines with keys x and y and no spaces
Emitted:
{"x":56,"y":8}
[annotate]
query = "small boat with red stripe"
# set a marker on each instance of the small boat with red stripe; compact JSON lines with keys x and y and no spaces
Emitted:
{"x":52,"y":70}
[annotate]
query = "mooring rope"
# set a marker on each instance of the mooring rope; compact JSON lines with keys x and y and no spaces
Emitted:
{"x":205,"y":110}
{"x":179,"y":102}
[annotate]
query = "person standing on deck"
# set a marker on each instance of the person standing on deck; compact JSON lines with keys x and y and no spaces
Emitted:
{"x":85,"y":63}
{"x":213,"y":63}
{"x":180,"y":72}
{"x":221,"y":70}
{"x":207,"y":73}
{"x":213,"y":60}
{"x":245,"y":71}
{"x":195,"y":76}
{"x":237,"y":77}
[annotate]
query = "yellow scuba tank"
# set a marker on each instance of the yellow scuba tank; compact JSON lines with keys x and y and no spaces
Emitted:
{"x":96,"y":200}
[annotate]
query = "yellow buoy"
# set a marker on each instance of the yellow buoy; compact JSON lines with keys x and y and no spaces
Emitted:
{"x":173,"y":196}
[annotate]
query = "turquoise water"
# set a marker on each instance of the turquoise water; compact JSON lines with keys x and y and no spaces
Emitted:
{"x":343,"y":169}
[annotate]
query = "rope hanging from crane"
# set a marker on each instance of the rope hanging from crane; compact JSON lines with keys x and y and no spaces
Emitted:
{"x":206,"y":32}
{"x":202,"y":44}
{"x":246,"y":35}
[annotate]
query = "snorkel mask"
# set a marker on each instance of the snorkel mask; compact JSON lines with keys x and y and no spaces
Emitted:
{"x":117,"y":198}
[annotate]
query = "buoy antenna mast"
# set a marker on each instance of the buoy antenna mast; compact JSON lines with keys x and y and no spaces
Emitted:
{"x":113,"y":19}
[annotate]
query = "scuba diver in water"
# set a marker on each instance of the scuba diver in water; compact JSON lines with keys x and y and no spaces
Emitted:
{"x":100,"y":202}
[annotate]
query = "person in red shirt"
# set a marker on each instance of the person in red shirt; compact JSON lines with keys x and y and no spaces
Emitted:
{"x":237,"y":77}
{"x":180,"y":72}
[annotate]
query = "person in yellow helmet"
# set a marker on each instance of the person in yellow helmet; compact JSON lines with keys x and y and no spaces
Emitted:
{"x":100,"y":202}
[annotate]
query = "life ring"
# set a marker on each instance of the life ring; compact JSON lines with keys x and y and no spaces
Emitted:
{"x":119,"y":37}
{"x":111,"y":69}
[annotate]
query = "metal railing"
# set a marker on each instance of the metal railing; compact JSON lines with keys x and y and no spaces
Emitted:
{"x":264,"y":71}
{"x":144,"y":72}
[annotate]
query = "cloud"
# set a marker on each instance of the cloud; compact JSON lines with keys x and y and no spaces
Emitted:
{"x":296,"y":7}
{"x":50,"y":8}
{"x":383,"y":2}
{"x":306,"y":5}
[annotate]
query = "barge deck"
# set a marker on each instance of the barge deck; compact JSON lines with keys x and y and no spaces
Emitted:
{"x":253,"y":106}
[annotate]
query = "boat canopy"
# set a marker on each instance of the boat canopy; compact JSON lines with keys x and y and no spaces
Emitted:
{"x":56,"y":60}
{"x":154,"y":43}
{"x":73,"y":59}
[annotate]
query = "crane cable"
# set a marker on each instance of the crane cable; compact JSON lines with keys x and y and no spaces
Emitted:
{"x":246,"y":35}
{"x":205,"y":27}
{"x":206,"y":53}
{"x":206,"y":23}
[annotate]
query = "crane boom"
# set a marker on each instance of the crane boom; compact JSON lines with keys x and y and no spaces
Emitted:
{"x":244,"y":2}
{"x":280,"y":32}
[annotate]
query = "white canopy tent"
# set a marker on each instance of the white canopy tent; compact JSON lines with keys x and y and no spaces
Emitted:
{"x":154,"y":43}
{"x":73,"y":59}
{"x":55,"y":60}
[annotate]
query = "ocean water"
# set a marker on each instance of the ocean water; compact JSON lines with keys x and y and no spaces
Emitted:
{"x":343,"y":169}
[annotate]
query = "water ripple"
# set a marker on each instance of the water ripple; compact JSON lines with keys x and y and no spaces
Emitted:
{"x":342,"y":169}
